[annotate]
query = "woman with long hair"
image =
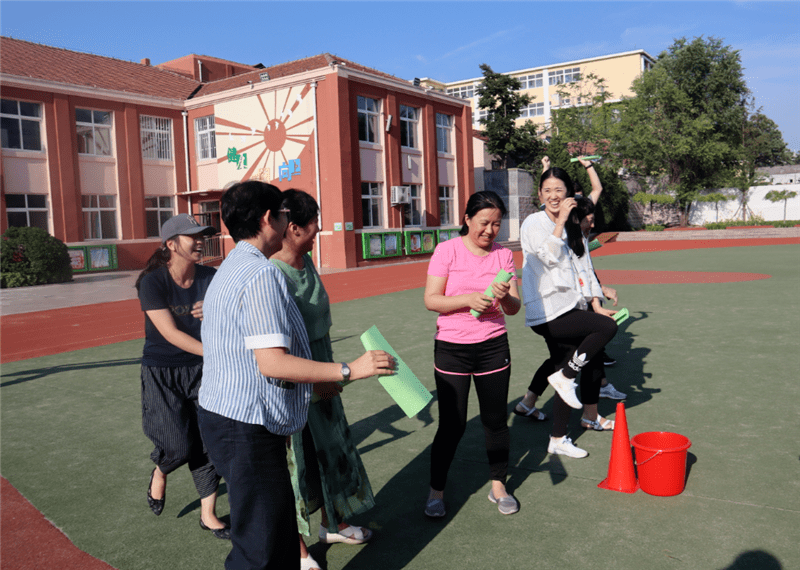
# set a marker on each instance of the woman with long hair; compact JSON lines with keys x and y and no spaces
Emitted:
{"x":468,"y":349}
{"x":557,"y":288}
{"x":171,"y":291}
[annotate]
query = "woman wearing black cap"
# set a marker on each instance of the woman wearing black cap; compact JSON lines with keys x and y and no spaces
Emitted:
{"x":171,"y":291}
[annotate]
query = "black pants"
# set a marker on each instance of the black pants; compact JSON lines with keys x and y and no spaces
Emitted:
{"x":580,"y":332}
{"x":169,"y":420}
{"x":253,"y":462}
{"x":488,"y":363}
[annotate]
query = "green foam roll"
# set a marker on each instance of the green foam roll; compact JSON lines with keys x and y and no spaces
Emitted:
{"x":621,"y":316}
{"x":595,"y":244}
{"x":593,"y":157}
{"x":502,"y":277}
{"x":403,"y":386}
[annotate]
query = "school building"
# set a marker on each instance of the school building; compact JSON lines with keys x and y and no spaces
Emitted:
{"x":100,"y":151}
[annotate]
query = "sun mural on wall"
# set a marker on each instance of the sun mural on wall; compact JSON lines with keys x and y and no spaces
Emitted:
{"x":262,"y":137}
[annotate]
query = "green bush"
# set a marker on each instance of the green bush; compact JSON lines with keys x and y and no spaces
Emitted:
{"x":754,"y":221}
{"x":654,"y":228}
{"x":31,"y":256}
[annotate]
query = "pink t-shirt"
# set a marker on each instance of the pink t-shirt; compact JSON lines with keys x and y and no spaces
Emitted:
{"x":468,"y":273}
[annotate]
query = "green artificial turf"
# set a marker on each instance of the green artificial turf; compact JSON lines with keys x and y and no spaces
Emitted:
{"x":714,"y":362}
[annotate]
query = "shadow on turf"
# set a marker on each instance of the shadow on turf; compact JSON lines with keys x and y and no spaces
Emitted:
{"x":755,"y":560}
{"x":38,"y":373}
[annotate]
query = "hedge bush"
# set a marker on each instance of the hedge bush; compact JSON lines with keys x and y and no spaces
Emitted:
{"x":31,"y":256}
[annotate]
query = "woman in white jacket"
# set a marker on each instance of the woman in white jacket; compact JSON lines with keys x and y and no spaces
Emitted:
{"x":557,"y":288}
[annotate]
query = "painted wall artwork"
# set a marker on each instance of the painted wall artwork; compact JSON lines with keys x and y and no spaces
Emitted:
{"x":264,"y":135}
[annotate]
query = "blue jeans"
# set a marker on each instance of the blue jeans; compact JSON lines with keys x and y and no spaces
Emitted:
{"x":252,"y":461}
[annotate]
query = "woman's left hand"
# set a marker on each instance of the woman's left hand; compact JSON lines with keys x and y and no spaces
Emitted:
{"x":197,"y":310}
{"x":327,"y":390}
{"x":606,"y":312}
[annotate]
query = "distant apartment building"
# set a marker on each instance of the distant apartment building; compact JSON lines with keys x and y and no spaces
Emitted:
{"x":541,"y":83}
{"x":101,"y":151}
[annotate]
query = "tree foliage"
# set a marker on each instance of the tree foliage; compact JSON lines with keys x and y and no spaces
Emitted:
{"x":514,"y":146}
{"x":764,"y":141}
{"x":31,"y":256}
{"x":781,"y":195}
{"x":584,"y":118}
{"x":685,"y":122}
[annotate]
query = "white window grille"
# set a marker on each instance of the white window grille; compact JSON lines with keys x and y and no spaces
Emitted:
{"x":446,"y":206}
{"x":368,"y":110}
{"x":158,"y":209}
{"x":413,"y":210}
{"x":569,"y":75}
{"x":465,"y":91}
{"x":444,"y":132}
{"x":94,"y":132}
{"x":156,"y":135}
{"x":205,"y":137}
{"x":409,"y":119}
{"x":99,"y":216}
{"x":27,"y":210}
{"x":21,"y":125}
{"x":532,"y":110}
{"x":478,"y":115}
{"x":531,"y":81}
{"x":371,"y":204}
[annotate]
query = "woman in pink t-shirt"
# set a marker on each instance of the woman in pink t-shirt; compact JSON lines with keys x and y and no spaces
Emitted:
{"x":467,"y":347}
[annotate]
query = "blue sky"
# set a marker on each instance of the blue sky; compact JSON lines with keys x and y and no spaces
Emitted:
{"x":441,"y":40}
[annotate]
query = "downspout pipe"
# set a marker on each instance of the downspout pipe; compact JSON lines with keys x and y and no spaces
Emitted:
{"x":316,"y":162}
{"x":186,"y":156}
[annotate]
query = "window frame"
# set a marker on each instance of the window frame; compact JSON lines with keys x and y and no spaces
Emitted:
{"x":159,"y":139}
{"x":95,"y":128}
{"x":444,"y":133}
{"x":409,"y":126}
{"x":88,"y":223}
{"x":462,"y":92}
{"x":564,"y":76}
{"x":448,"y":203}
{"x":410,"y":210}
{"x":159,"y":209}
{"x":373,"y":199}
{"x":27,"y":209}
{"x":19,"y":118}
{"x":532,"y":110}
{"x":370,"y":119}
{"x":532,"y":81}
{"x":205,"y":129}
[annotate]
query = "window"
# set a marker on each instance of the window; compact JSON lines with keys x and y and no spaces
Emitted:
{"x":27,"y":210}
{"x":94,"y":132}
{"x":479,"y":114}
{"x":444,"y":129}
{"x":465,"y":91}
{"x":409,"y":118}
{"x":158,"y":209}
{"x":371,"y":204}
{"x":530,"y":81}
{"x":156,"y":137}
{"x":532,"y":110}
{"x":446,"y":206}
{"x":21,"y":124}
{"x":99,"y":216}
{"x":413,"y":211}
{"x":368,"y":110}
{"x":569,"y":75}
{"x":209,"y":214}
{"x":206,"y":138}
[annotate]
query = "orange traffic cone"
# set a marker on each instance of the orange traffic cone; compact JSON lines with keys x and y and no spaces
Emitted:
{"x":621,"y":476}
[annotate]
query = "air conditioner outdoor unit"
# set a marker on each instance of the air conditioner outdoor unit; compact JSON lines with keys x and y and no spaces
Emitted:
{"x":401,"y":195}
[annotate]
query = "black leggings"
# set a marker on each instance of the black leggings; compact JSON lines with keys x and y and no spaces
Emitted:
{"x":575,"y":332}
{"x":488,"y":363}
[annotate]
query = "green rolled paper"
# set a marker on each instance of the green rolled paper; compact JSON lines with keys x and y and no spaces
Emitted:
{"x":621,"y":316}
{"x":593,"y":157}
{"x":403,"y":386}
{"x":502,"y":277}
{"x":594,"y":244}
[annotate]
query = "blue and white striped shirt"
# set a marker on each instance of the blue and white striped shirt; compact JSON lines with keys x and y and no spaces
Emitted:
{"x":248,"y":306}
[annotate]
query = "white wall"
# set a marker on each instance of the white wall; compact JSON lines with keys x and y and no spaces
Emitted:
{"x":708,"y":212}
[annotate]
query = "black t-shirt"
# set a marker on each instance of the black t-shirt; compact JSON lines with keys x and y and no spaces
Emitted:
{"x":158,"y":291}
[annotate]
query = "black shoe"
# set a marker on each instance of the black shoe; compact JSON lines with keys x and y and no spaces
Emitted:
{"x":607,"y":360}
{"x":156,"y":505}
{"x":224,"y":533}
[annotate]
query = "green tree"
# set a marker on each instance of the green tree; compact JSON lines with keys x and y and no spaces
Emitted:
{"x":778,"y":195}
{"x":583,"y":117}
{"x":685,"y":122}
{"x":514,"y":146}
{"x":765,"y":141}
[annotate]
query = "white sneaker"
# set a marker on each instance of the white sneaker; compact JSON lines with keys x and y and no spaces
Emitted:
{"x":608,"y":391}
{"x":564,"y":446}
{"x":565,"y":388}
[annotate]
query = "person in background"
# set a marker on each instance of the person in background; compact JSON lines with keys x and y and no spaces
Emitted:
{"x":171,"y":290}
{"x":257,"y":380}
{"x":327,"y":470}
{"x":468,"y":348}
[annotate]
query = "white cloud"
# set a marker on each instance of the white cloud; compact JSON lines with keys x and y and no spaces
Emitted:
{"x":481,"y":41}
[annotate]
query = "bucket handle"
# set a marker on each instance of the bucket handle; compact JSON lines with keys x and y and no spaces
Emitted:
{"x":656,"y":454}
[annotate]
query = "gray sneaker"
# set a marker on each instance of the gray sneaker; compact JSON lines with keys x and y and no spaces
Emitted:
{"x":506,"y":505}
{"x":434,"y":508}
{"x":608,"y":391}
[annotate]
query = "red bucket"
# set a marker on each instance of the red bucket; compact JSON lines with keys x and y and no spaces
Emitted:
{"x":661,"y":462}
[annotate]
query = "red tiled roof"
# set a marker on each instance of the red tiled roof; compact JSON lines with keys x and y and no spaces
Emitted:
{"x":26,"y":59}
{"x":286,"y":69}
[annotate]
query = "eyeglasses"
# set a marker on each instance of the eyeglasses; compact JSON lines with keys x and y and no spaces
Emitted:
{"x":284,"y":211}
